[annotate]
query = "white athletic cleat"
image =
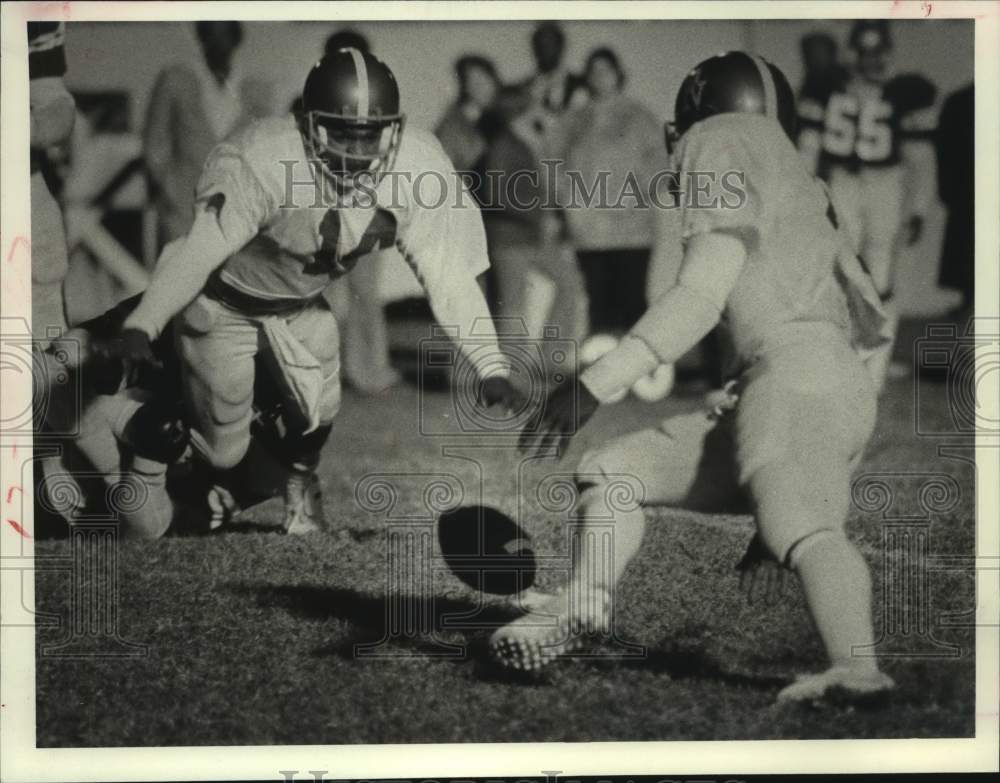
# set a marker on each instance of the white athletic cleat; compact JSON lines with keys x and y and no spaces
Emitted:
{"x":554,"y":627}
{"x":850,"y":683}
{"x":303,"y":504}
{"x":222,"y":507}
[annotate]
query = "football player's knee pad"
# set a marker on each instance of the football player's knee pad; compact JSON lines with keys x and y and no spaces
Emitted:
{"x":157,"y":432}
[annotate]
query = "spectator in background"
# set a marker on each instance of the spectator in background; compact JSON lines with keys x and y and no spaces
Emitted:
{"x":553,"y":89}
{"x":549,"y":93}
{"x":820,"y":61}
{"x":617,"y":138}
{"x":823,"y":73}
{"x":52,"y":112}
{"x":954,"y":144}
{"x":459,"y":129}
{"x":193,"y":107}
{"x":513,"y":219}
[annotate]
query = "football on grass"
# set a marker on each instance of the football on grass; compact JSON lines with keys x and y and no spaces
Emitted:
{"x":487,"y":549}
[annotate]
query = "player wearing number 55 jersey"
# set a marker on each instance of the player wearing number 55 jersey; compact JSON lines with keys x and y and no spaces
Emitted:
{"x":282,"y":208}
{"x":868,"y":134}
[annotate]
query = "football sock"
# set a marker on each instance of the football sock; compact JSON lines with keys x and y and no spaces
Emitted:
{"x":607,"y":539}
{"x":838,"y":590}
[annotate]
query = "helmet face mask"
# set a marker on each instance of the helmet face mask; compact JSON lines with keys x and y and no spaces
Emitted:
{"x":349,"y":150}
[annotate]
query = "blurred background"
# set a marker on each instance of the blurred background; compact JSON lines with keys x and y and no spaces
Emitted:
{"x":112,"y":69}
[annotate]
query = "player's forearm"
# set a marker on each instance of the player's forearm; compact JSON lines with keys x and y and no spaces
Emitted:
{"x":464,"y":307}
{"x":918,"y":162}
{"x":180,"y":275}
{"x":678,"y":320}
{"x":668,"y":330}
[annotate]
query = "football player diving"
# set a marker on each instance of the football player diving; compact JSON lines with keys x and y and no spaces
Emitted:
{"x":117,"y":441}
{"x":797,"y":311}
{"x":123,"y":442}
{"x":282,"y":208}
{"x":868,"y":132}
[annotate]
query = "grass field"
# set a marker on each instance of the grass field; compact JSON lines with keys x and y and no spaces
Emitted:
{"x":252,"y":637}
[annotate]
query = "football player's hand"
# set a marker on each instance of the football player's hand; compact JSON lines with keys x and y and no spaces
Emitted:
{"x":762,"y":578}
{"x":914,"y":229}
{"x":567,"y":410}
{"x":131,"y":347}
{"x":500,"y":391}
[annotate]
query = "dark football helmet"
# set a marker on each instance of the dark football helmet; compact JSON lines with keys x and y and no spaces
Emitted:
{"x":732,"y":82}
{"x":350,"y":122}
{"x":871,"y":43}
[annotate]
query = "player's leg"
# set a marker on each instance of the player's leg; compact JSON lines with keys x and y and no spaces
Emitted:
{"x":687,"y":461}
{"x":568,"y":310}
{"x":882,"y":202}
{"x":217,"y":347}
{"x":366,"y":337}
{"x":799,"y":449}
{"x":599,"y":278}
{"x":631,"y":271}
{"x":301,"y":448}
{"x":517,"y":305}
{"x":846,"y":194}
{"x":811,"y":496}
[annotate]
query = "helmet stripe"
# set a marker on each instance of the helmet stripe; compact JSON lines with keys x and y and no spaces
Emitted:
{"x":361,"y":70}
{"x":770,"y":91}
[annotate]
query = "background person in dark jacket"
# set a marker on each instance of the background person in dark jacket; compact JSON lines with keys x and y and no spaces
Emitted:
{"x":954,"y":144}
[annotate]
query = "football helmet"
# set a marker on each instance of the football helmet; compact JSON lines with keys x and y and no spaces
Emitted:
{"x":350,"y":122}
{"x":732,"y":82}
{"x":871,"y":43}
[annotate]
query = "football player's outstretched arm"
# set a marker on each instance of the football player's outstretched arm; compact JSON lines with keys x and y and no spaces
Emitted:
{"x":446,"y":249}
{"x":182,"y":271}
{"x":677,"y":320}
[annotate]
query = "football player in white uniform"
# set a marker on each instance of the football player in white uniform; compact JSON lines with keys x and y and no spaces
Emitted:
{"x":868,"y":133}
{"x":797,"y":310}
{"x":283,"y":207}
